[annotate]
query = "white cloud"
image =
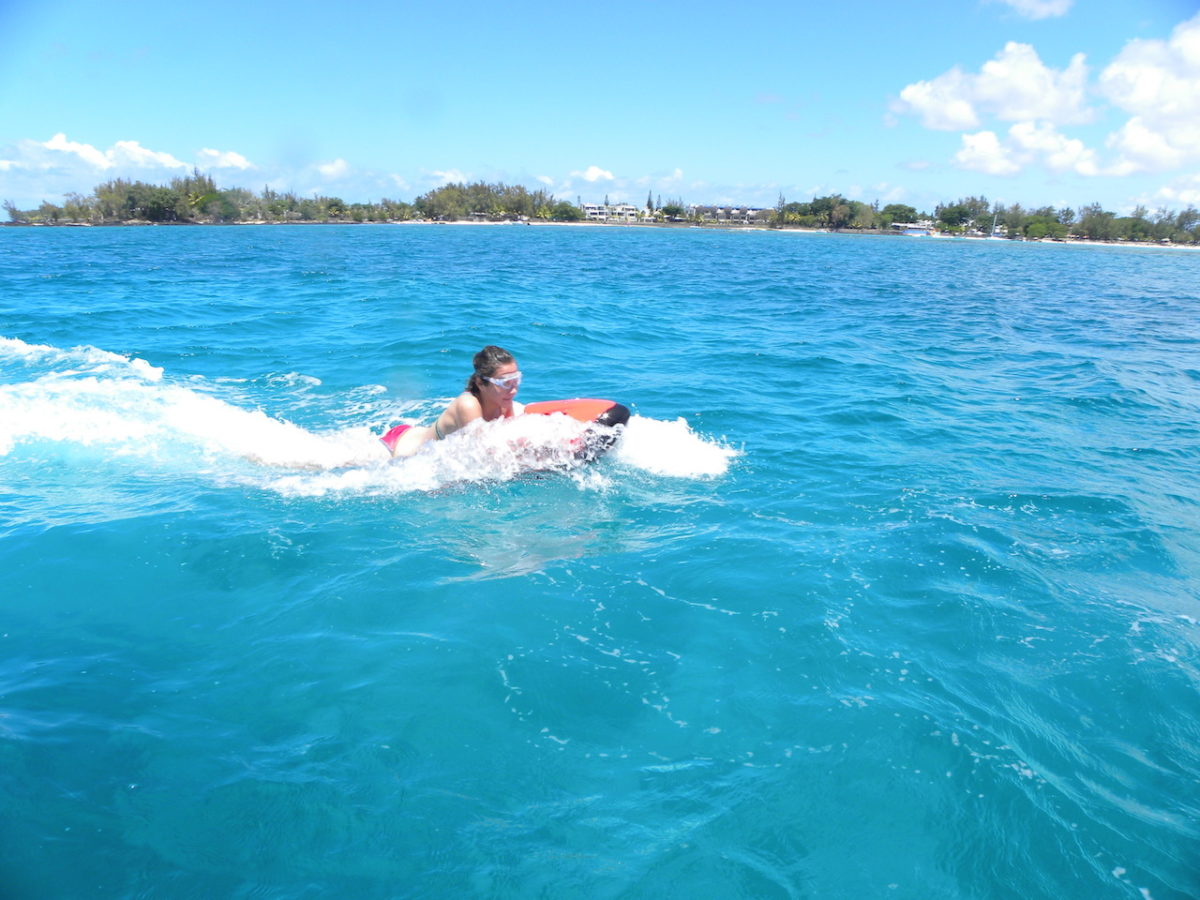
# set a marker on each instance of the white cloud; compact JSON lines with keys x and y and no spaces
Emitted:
{"x":336,"y":169}
{"x":1155,"y":82}
{"x":1183,"y":191}
{"x":1142,"y":147}
{"x":1013,"y":86}
{"x":1158,"y":83}
{"x":1039,"y":9}
{"x":133,"y":155}
{"x":85,"y":152}
{"x":944,"y":104}
{"x":1042,"y":142}
{"x":983,"y":152}
{"x":61,"y":153}
{"x":1027,"y":143}
{"x":1016,"y":85}
{"x":450,"y":176}
{"x":40,"y":170}
{"x":546,"y":180}
{"x":215,"y":159}
{"x":594,"y":174}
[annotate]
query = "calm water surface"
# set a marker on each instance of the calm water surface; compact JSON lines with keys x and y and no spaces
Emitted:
{"x":890,"y":589}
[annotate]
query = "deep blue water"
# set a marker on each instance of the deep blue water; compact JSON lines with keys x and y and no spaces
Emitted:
{"x":891,"y":588}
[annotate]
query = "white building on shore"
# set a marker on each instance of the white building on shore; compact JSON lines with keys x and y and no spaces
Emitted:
{"x":914,"y":229}
{"x":610,"y":212}
{"x":732,"y":215}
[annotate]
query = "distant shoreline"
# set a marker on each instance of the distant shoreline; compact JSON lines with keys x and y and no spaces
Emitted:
{"x":709,"y":226}
{"x":196,"y":200}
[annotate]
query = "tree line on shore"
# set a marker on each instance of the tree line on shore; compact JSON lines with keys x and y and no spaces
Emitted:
{"x":196,"y":199}
{"x":975,"y":215}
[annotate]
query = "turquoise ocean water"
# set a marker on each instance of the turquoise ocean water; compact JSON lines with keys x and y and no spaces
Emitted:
{"x":890,"y":590}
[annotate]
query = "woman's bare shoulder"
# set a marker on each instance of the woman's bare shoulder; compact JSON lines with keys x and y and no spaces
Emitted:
{"x":464,"y":408}
{"x":467,"y":402}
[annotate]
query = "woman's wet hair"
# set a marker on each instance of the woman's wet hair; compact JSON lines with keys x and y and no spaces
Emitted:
{"x":487,"y":361}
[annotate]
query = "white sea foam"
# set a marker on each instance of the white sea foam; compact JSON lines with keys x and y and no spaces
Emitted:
{"x":101,"y":402}
{"x":91,"y":398}
{"x":671,"y":448}
{"x":293,"y":379}
{"x":499,"y":451}
{"x":77,"y":360}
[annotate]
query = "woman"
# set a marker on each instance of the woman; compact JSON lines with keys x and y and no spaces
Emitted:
{"x":489,"y":396}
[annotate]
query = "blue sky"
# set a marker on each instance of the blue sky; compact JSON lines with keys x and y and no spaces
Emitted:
{"x":1041,"y":102}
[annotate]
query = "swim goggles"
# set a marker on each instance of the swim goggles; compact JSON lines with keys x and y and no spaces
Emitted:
{"x":507,"y":382}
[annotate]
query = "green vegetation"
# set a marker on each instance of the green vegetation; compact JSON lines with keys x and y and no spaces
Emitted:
{"x":834,"y":212}
{"x":1091,"y":222}
{"x":975,"y":215}
{"x":197,"y":199}
{"x":493,"y":203}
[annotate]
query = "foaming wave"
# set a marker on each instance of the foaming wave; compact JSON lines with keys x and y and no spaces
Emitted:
{"x":75,"y":361}
{"x":481,"y":452}
{"x":671,"y":448}
{"x":95,"y":399}
{"x":511,"y":448}
{"x":123,"y":407}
